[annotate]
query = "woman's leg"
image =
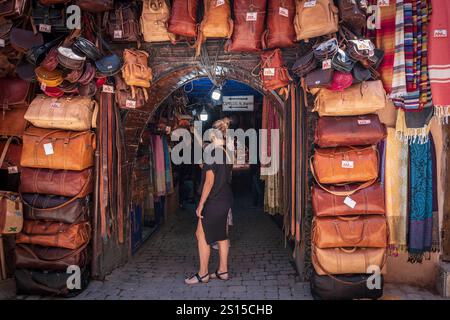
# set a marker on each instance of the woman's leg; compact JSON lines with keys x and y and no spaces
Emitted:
{"x":223,"y":258}
{"x":203,"y":249}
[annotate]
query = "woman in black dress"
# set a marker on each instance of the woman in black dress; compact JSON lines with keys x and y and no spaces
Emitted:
{"x":214,"y":205}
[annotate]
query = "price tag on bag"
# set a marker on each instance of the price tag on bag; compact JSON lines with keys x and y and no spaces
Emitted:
{"x":310,"y":4}
{"x":107,"y":88}
{"x":45,"y":28}
{"x":220,"y":3}
{"x":55,"y":104}
{"x":2,"y":43}
{"x":283,"y":12}
{"x":326,"y":64}
{"x":269,"y":72}
{"x":48,"y":149}
{"x":350,"y":202}
{"x":130,"y":104}
{"x":346,"y":164}
{"x":118,"y":34}
{"x":440,"y":33}
{"x":43,"y":86}
{"x":363,"y":122}
{"x":383,"y":3}
{"x":12,"y":170}
{"x":363,"y":44}
{"x":251,"y":16}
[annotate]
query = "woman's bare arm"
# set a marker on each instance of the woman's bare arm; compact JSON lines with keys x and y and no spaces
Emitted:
{"x":209,"y":181}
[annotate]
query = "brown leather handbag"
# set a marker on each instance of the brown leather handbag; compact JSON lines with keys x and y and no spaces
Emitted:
{"x":57,"y":149}
{"x":357,"y":231}
{"x":315,"y":18}
{"x":124,"y":97}
{"x":122,"y":23}
{"x":154,"y":21}
{"x":54,"y":234}
{"x":13,"y":8}
{"x":12,"y":122}
{"x":135,"y":70}
{"x":274,"y":74}
{"x":345,"y":165}
{"x":49,"y":258}
{"x":183,"y":18}
{"x":57,"y":182}
{"x":15,"y":93}
{"x":249,"y":18}
{"x":349,"y":131}
{"x":10,"y":154}
{"x":352,"y":15}
{"x":50,"y":61}
{"x":23,"y":40}
{"x":55,"y":208}
{"x":348,"y":200}
{"x":280,"y":32}
{"x":11,"y":216}
{"x":95,"y":5}
{"x":346,"y":261}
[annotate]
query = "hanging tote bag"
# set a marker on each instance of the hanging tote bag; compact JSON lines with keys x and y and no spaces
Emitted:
{"x":280,"y":32}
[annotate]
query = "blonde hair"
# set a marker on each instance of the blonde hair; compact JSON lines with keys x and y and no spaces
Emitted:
{"x":222,"y":125}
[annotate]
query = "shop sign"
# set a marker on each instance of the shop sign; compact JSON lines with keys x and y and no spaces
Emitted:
{"x":238,"y":103}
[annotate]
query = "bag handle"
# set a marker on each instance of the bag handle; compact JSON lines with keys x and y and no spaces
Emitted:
{"x":338,"y":230}
{"x":5,"y":151}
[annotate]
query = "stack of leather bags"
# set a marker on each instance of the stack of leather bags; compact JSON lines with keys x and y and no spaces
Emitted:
{"x":56,"y":182}
{"x":350,"y":233}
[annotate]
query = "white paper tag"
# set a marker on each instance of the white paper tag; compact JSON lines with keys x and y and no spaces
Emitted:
{"x":283,"y":12}
{"x":12,"y":170}
{"x":251,"y":16}
{"x":269,"y":72}
{"x":310,"y":4}
{"x":363,"y":122}
{"x":326,"y":64}
{"x":350,"y":202}
{"x":130,"y":104}
{"x":2,"y":43}
{"x":108,"y":89}
{"x":55,"y":104}
{"x":363,"y":44}
{"x":43,"y":86}
{"x":346,"y":164}
{"x":118,"y":34}
{"x":383,"y":3}
{"x":48,"y":149}
{"x":45,"y":28}
{"x":220,"y":3}
{"x":440,"y":33}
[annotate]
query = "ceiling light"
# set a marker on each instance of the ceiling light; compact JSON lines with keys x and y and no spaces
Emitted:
{"x":216,"y":94}
{"x":204,"y":115}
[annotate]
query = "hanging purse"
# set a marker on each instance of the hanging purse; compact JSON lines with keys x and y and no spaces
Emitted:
{"x":69,"y":59}
{"x":84,"y":47}
{"x":183,"y":18}
{"x":352,"y":15}
{"x":109,"y":65}
{"x":10,"y":154}
{"x":280,"y":32}
{"x":123,"y":95}
{"x":11,"y":216}
{"x":49,"y":78}
{"x":154,"y":21}
{"x":274,"y":74}
{"x":315,"y":18}
{"x":326,"y":49}
{"x":23,"y":40}
{"x":53,"y":17}
{"x":305,"y":65}
{"x":122,"y":23}
{"x":319,"y":78}
{"x":12,"y":9}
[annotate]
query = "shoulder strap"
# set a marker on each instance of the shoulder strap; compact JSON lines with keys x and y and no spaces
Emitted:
{"x":5,"y":151}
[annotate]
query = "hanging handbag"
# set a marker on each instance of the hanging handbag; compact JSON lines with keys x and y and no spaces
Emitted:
{"x":357,"y":231}
{"x":12,"y":9}
{"x":57,"y":182}
{"x":326,"y":50}
{"x":10,"y":154}
{"x":280,"y":32}
{"x":53,"y":16}
{"x":11,"y":216}
{"x":95,"y":6}
{"x":342,"y":62}
{"x":122,"y":23}
{"x":345,"y":165}
{"x":23,"y":40}
{"x":349,"y":131}
{"x":69,"y":59}
{"x":56,"y":208}
{"x":315,"y":18}
{"x":57,"y":149}
{"x":347,"y":261}
{"x":183,"y":18}
{"x":123,"y":95}
{"x":154,"y":21}
{"x":249,"y":17}
{"x":108,"y":65}
{"x":12,"y":122}
{"x":352,"y":15}
{"x":360,"y":99}
{"x":15,"y":93}
{"x":348,"y":200}
{"x":54,"y":234}
{"x":50,"y":62}
{"x":88,"y":74}
{"x":320,"y":78}
{"x":305,"y":65}
{"x":274,"y":74}
{"x":49,"y":78}
{"x":82,"y":46}
{"x":73,"y":76}
{"x":49,"y":258}
{"x":135,"y":71}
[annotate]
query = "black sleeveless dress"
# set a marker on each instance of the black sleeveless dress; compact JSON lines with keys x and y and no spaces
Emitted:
{"x":220,"y":199}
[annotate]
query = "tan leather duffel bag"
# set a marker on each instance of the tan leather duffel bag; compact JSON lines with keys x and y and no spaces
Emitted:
{"x":57,"y":149}
{"x":66,"y":113}
{"x":346,"y":261}
{"x":315,"y":18}
{"x":11,"y":214}
{"x":358,"y":231}
{"x":359,"y":99}
{"x":154,"y":21}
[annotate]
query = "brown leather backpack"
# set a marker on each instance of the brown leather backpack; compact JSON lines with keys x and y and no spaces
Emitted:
{"x":183,"y":18}
{"x":352,"y":15}
{"x":13,"y":8}
{"x":122,"y":24}
{"x":124,"y":97}
{"x":280,"y":32}
{"x":274,"y":74}
{"x":154,"y":21}
{"x":248,"y":26}
{"x":135,"y":70}
{"x":315,"y":18}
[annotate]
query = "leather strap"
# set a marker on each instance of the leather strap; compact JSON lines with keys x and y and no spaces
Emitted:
{"x":5,"y":151}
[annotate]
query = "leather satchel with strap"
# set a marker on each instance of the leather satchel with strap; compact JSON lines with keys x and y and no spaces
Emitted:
{"x":10,"y":154}
{"x":274,"y":74}
{"x":154,"y":21}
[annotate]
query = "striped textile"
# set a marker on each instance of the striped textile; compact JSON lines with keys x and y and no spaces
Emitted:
{"x":399,"y":73}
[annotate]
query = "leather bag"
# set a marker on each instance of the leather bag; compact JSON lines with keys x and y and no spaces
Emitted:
{"x":352,"y":15}
{"x":50,"y":61}
{"x":154,"y":21}
{"x":348,"y":200}
{"x":124,"y":97}
{"x":54,"y":234}
{"x":69,"y":59}
{"x":346,"y":261}
{"x":49,"y":78}
{"x":280,"y":32}
{"x":15,"y":93}
{"x":11,"y":215}
{"x":95,"y":5}
{"x":135,"y":71}
{"x":345,"y":165}
{"x":10,"y":154}
{"x":315,"y":18}
{"x":319,"y":78}
{"x":305,"y":65}
{"x":23,"y":40}
{"x":82,"y":46}
{"x":344,"y":287}
{"x":55,"y":208}
{"x":48,"y":258}
{"x":122,"y":23}
{"x":66,"y":113}
{"x":57,"y":149}
{"x":360,"y":99}
{"x":349,"y":131}
{"x":12,"y":122}
{"x":357,"y":231}
{"x":183,"y":18}
{"x":57,"y":182}
{"x":274,"y":74}
{"x":34,"y":282}
{"x":88,"y":74}
{"x":54,"y":16}
{"x":13,"y":8}
{"x":249,"y":18}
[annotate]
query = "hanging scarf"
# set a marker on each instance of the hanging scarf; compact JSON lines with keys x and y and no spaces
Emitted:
{"x":399,"y":75}
{"x":439,"y":59}
{"x":420,"y":201}
{"x":160,"y":173}
{"x":413,"y":127}
{"x":396,"y":191}
{"x":167,"y":166}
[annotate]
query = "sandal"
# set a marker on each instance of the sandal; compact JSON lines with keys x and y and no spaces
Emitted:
{"x":217,"y":275}
{"x":196,"y":279}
